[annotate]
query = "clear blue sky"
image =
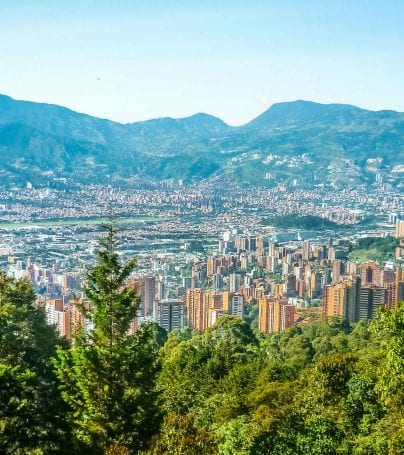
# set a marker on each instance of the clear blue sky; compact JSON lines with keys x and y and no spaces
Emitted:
{"x":134,"y":60}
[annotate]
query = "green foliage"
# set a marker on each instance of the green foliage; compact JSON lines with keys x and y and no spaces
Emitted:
{"x":234,"y":437}
{"x":108,"y":377}
{"x":181,"y":436}
{"x":325,"y":388}
{"x":301,"y":222}
{"x":31,"y":409}
{"x":335,"y":143}
{"x":380,"y":249}
{"x":389,"y":325}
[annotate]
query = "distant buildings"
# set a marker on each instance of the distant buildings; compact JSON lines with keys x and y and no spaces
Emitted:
{"x":357,"y":298}
{"x":399,"y":227}
{"x":275,"y":315}
{"x":370,"y":274}
{"x":342,"y":299}
{"x":248,"y":273}
{"x":203,"y":308}
{"x":371,"y":298}
{"x":65,"y":315}
{"x":147,"y":291}
{"x":169,"y":314}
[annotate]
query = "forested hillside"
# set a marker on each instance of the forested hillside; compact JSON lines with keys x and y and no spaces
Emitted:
{"x":296,"y":142}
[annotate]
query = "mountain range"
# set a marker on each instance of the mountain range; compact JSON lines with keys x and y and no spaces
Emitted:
{"x":299,"y":143}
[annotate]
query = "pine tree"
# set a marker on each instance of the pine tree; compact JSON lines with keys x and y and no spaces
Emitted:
{"x":108,"y":376}
{"x":31,"y":409}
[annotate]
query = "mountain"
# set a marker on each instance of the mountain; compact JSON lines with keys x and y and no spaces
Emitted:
{"x":301,"y":143}
{"x":305,"y":111}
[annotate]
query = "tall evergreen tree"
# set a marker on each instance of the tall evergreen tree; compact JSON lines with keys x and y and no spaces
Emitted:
{"x":108,"y":376}
{"x":31,"y":409}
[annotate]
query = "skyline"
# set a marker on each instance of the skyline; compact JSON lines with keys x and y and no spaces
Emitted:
{"x":196,"y":113}
{"x":138,"y":60}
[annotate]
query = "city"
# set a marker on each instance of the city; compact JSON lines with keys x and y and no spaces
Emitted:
{"x":204,"y":254}
{"x":202,"y":227}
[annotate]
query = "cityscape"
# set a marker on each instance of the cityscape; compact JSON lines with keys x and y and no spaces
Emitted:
{"x":184,"y":289}
{"x":202,"y":227}
{"x":203,"y":253}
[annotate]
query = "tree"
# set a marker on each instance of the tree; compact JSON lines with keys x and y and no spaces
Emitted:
{"x":235,"y":437}
{"x":108,"y":376}
{"x":31,"y":409}
{"x":232,"y":341}
{"x":389,"y":327}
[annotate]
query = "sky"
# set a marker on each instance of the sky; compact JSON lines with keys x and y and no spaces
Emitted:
{"x":140,"y":59}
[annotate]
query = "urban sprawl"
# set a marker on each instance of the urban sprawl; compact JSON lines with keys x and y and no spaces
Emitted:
{"x":204,"y":253}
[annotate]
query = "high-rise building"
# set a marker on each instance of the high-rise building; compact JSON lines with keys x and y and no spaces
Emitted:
{"x":289,"y":286}
{"x":235,"y":282}
{"x":53,"y":308}
{"x":400,"y":227}
{"x":399,"y":287}
{"x":306,"y":250}
{"x":388,"y":281}
{"x":59,"y":314}
{"x":370,"y":274}
{"x":243,"y":261}
{"x":213,"y":302}
{"x":147,"y":295}
{"x":286,"y":268}
{"x":322,"y":253}
{"x":275,"y":315}
{"x":215,"y":314}
{"x":211,"y":265}
{"x":338,"y":269}
{"x":217,"y":282}
{"x":315,"y":285}
{"x":342,"y":299}
{"x":390,"y":301}
{"x":169,"y":314}
{"x":197,"y":310}
{"x":301,"y":288}
{"x":251,"y":243}
{"x":71,"y":281}
{"x":261,"y":244}
{"x":77,"y":319}
{"x":371,"y":298}
{"x":213,"y":299}
{"x":161,"y":289}
{"x":237,"y":305}
{"x":400,"y":250}
{"x":270,"y":264}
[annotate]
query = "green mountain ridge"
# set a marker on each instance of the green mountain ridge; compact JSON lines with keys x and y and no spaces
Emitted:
{"x":300,"y":142}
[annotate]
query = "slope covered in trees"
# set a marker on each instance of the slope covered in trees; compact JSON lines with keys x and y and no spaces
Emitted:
{"x":295,"y":221}
{"x":43,"y":143}
{"x":380,"y":249}
{"x":325,"y":388}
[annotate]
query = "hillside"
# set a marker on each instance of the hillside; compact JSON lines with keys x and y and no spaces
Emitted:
{"x":294,"y":221}
{"x":380,"y":249}
{"x":299,"y":142}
